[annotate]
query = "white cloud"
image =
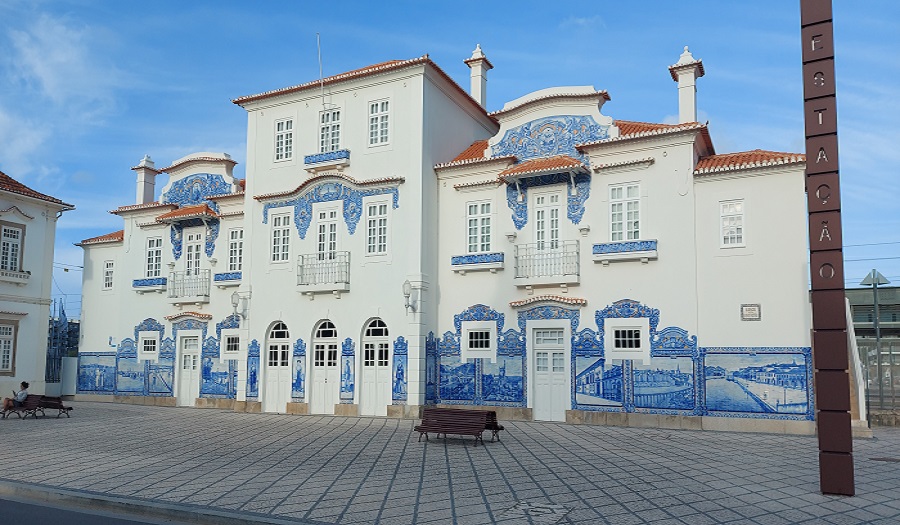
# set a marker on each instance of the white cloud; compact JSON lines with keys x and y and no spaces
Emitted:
{"x":583,"y":22}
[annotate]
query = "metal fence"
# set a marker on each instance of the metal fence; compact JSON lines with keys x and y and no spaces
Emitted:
{"x":881,"y":373}
{"x":182,"y":284}
{"x":323,"y":268}
{"x":546,"y":259}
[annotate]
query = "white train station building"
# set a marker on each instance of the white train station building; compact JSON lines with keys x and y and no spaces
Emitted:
{"x":395,"y":245}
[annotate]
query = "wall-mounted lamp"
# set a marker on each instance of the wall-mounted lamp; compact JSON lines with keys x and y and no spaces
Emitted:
{"x":407,"y":293}
{"x":239,"y":302}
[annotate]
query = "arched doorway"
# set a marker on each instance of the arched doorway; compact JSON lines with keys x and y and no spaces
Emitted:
{"x":375,"y":394}
{"x":326,"y":377}
{"x":277,"y":391}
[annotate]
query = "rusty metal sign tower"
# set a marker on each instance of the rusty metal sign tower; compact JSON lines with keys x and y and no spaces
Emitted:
{"x":830,"y":345}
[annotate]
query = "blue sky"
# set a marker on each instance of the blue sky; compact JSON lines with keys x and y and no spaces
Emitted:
{"x":87,"y":88}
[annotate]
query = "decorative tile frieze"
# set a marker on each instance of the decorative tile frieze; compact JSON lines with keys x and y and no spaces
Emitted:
{"x":517,"y":195}
{"x":328,"y":192}
{"x":196,"y":188}
{"x":154,"y":282}
{"x":548,"y":136}
{"x":228,"y":276}
{"x":644,"y":251}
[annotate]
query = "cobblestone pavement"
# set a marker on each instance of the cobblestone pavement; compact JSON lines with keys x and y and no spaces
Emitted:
{"x":322,"y":469}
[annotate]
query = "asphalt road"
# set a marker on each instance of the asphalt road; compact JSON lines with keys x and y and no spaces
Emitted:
{"x":16,"y":512}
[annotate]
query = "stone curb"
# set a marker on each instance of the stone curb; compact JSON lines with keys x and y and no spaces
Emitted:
{"x":135,"y":508}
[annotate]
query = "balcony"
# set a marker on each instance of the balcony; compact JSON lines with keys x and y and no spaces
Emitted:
{"x":15,"y":276}
{"x":149,"y":284}
{"x":327,"y":272}
{"x":636,"y":250}
{"x":337,"y":160}
{"x":188,"y":287}
{"x":547,"y":263}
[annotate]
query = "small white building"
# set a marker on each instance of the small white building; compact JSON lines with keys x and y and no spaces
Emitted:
{"x":28,"y":223}
{"x":395,"y":245}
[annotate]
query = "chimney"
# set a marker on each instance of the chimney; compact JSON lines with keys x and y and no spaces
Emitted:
{"x":480,"y":65}
{"x":146,"y":180}
{"x":686,"y":72}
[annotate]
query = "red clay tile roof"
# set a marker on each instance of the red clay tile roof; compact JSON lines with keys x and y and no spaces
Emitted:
{"x":558,"y":162}
{"x":746,"y":160}
{"x":118,"y":236}
{"x":473,"y":152}
{"x":188,"y":212}
{"x":629,"y":127}
{"x":196,"y":315}
{"x":11,"y":185}
{"x":549,"y":298}
{"x":382,"y":67}
{"x":633,"y":130}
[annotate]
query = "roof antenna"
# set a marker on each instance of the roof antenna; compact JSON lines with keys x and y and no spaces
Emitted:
{"x":321,"y":78}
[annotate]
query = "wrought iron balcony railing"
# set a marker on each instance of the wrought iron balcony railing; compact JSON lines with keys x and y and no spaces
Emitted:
{"x":188,"y":284}
{"x":547,"y":259}
{"x":327,"y":268}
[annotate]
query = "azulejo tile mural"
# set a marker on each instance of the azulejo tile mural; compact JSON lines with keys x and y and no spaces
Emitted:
{"x":399,"y":386}
{"x":121,"y":373}
{"x":298,"y":384}
{"x":350,"y":196}
{"x":680,"y":378}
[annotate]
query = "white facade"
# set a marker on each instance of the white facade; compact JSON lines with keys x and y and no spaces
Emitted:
{"x":28,"y":223}
{"x":573,"y":262}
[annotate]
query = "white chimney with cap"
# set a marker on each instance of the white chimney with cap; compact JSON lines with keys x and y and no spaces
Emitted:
{"x":686,"y":72}
{"x":146,"y":180}
{"x":479,"y":66}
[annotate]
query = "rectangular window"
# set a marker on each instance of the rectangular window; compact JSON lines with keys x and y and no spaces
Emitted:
{"x":369,"y":354}
{"x":232,"y":344}
{"x":382,"y":354}
{"x":278,"y":356}
{"x":108,"y":269}
{"x":235,"y":250}
{"x":542,"y":360}
{"x":154,"y":257}
{"x":379,"y":113}
{"x":332,"y":355}
{"x":284,"y":139}
{"x":149,"y":345}
{"x":10,"y":249}
{"x":319,"y":356}
{"x":478,"y":227}
{"x":731,"y":215}
{"x":281,"y":231}
{"x":193,"y":248}
{"x":376,"y":228}
{"x":559,"y":362}
{"x":330,"y":131}
{"x":627,"y":338}
{"x":624,"y":212}
{"x":7,"y":337}
{"x":479,"y":339}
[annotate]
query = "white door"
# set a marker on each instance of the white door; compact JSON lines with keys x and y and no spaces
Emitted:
{"x":551,"y":381}
{"x":376,"y":379}
{"x":277,"y":390}
{"x":189,"y":372}
{"x":326,"y":378}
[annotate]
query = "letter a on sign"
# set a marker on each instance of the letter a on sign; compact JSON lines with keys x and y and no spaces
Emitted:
{"x":822,"y":156}
{"x":824,"y":235}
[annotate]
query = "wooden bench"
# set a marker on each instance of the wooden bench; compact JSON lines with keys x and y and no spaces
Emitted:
{"x":30,"y":406}
{"x":492,"y":425}
{"x":54,"y":403}
{"x":461,"y":422}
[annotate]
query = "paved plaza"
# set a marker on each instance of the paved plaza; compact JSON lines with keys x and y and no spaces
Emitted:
{"x":325,"y":470}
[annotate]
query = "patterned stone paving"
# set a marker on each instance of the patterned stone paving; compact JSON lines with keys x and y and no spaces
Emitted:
{"x":326,"y":470}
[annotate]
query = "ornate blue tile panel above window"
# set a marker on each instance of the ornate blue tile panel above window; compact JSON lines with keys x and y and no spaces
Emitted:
{"x":517,"y":195}
{"x":327,"y":192}
{"x":155,"y":284}
{"x":548,"y":136}
{"x":625,"y":251}
{"x":195,"y":189}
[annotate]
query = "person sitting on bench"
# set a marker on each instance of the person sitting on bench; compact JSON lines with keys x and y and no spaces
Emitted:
{"x":17,"y":399}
